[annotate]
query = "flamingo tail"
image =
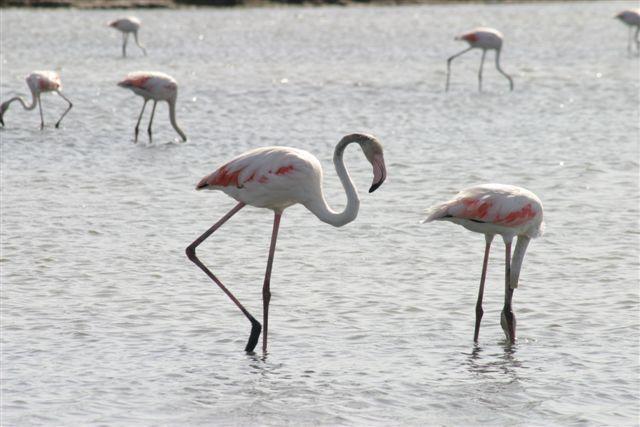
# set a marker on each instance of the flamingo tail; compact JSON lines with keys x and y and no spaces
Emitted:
{"x":437,"y":212}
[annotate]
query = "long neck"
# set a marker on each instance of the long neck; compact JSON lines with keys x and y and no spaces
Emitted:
{"x":501,"y":70}
{"x":516,"y":260}
{"x":34,"y":101}
{"x":172,"y":118}
{"x":319,"y":206}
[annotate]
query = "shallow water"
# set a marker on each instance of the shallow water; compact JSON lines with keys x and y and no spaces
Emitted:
{"x":105,"y":321}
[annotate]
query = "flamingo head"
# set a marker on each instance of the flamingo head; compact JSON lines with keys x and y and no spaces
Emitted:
{"x":372,"y":149}
{"x":3,"y":108}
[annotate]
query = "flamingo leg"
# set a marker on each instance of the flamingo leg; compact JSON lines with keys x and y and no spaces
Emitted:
{"x":125,"y":37}
{"x":484,"y":53}
{"x":508,"y":319}
{"x":479,"y":311}
{"x":451,"y":58}
{"x":66,"y":111}
{"x":266,"y":287}
{"x":41,"y":116}
{"x":502,"y":71}
{"x":191,"y":254}
{"x":140,"y":118}
{"x":153,"y":112}
{"x":637,"y":39}
{"x":135,"y":37}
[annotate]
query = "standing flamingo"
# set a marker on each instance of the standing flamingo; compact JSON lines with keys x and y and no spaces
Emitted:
{"x":128,"y":25}
{"x":156,"y":86}
{"x":276,"y":178}
{"x":485,"y":39}
{"x":493,"y":209}
{"x":631,"y":18}
{"x":39,"y":82}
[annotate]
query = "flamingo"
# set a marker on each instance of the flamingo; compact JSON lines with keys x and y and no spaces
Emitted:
{"x":276,"y":178}
{"x":631,"y":17}
{"x":485,"y":39}
{"x":493,"y":209}
{"x":158,"y":87}
{"x":128,"y":25}
{"x":39,"y":82}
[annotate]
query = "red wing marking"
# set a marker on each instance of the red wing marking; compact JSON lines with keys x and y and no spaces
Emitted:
{"x":220,"y":178}
{"x":517,"y":217}
{"x":476,"y":209}
{"x":138,"y":81}
{"x":471,"y":37}
{"x":284,"y":170}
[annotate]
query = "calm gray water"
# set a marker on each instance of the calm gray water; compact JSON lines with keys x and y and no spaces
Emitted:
{"x":106,"y":322}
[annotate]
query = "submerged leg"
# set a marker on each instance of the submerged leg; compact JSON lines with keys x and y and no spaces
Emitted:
{"x":479,"y":311}
{"x":66,"y":111}
{"x":451,"y":58}
{"x":140,"y":118}
{"x":191,"y":254}
{"x":637,"y":39}
{"x":266,"y":287}
{"x":153,"y":112}
{"x":41,"y":116}
{"x":508,"y":319}
{"x":484,"y":53}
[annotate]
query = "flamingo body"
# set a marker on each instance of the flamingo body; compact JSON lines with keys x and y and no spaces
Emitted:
{"x":631,"y":17}
{"x":128,"y":25}
{"x":155,"y":86}
{"x":276,"y":178}
{"x":269,"y":177}
{"x":505,"y":210}
{"x":481,"y":38}
{"x":39,"y":82}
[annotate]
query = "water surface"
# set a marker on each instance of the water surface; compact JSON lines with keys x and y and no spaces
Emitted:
{"x":105,"y":321}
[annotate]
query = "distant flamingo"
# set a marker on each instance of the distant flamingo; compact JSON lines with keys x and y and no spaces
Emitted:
{"x":496,"y":209}
{"x":128,"y":25}
{"x":631,"y":18}
{"x":276,"y":178}
{"x":39,"y":82}
{"x":485,"y":39}
{"x":158,"y":87}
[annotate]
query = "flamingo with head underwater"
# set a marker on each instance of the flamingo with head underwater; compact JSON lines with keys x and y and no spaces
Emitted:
{"x":631,"y":17}
{"x":39,"y":82}
{"x":128,"y":25}
{"x":492,"y":209}
{"x":276,"y":178}
{"x":158,"y":87}
{"x":485,"y":39}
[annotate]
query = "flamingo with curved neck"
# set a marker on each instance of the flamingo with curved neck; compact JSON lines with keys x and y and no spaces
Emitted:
{"x":156,"y":86}
{"x":39,"y":82}
{"x":485,"y":39}
{"x":276,"y":178}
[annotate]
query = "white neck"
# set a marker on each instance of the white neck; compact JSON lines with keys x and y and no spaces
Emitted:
{"x":517,"y":258}
{"x":34,"y":101}
{"x":172,"y":118}
{"x":319,"y":206}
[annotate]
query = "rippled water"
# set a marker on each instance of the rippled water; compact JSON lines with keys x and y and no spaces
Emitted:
{"x":105,"y":321}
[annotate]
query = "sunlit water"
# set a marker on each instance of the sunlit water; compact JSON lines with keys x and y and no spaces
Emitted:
{"x":105,"y":321}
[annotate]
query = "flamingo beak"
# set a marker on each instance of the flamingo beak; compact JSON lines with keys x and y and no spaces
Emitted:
{"x":379,"y":172}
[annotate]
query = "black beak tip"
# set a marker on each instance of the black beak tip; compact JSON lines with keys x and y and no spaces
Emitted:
{"x":375,"y":186}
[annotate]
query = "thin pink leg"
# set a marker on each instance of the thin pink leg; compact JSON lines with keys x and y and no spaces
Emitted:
{"x":191,"y":254}
{"x":266,"y":287}
{"x":479,"y":311}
